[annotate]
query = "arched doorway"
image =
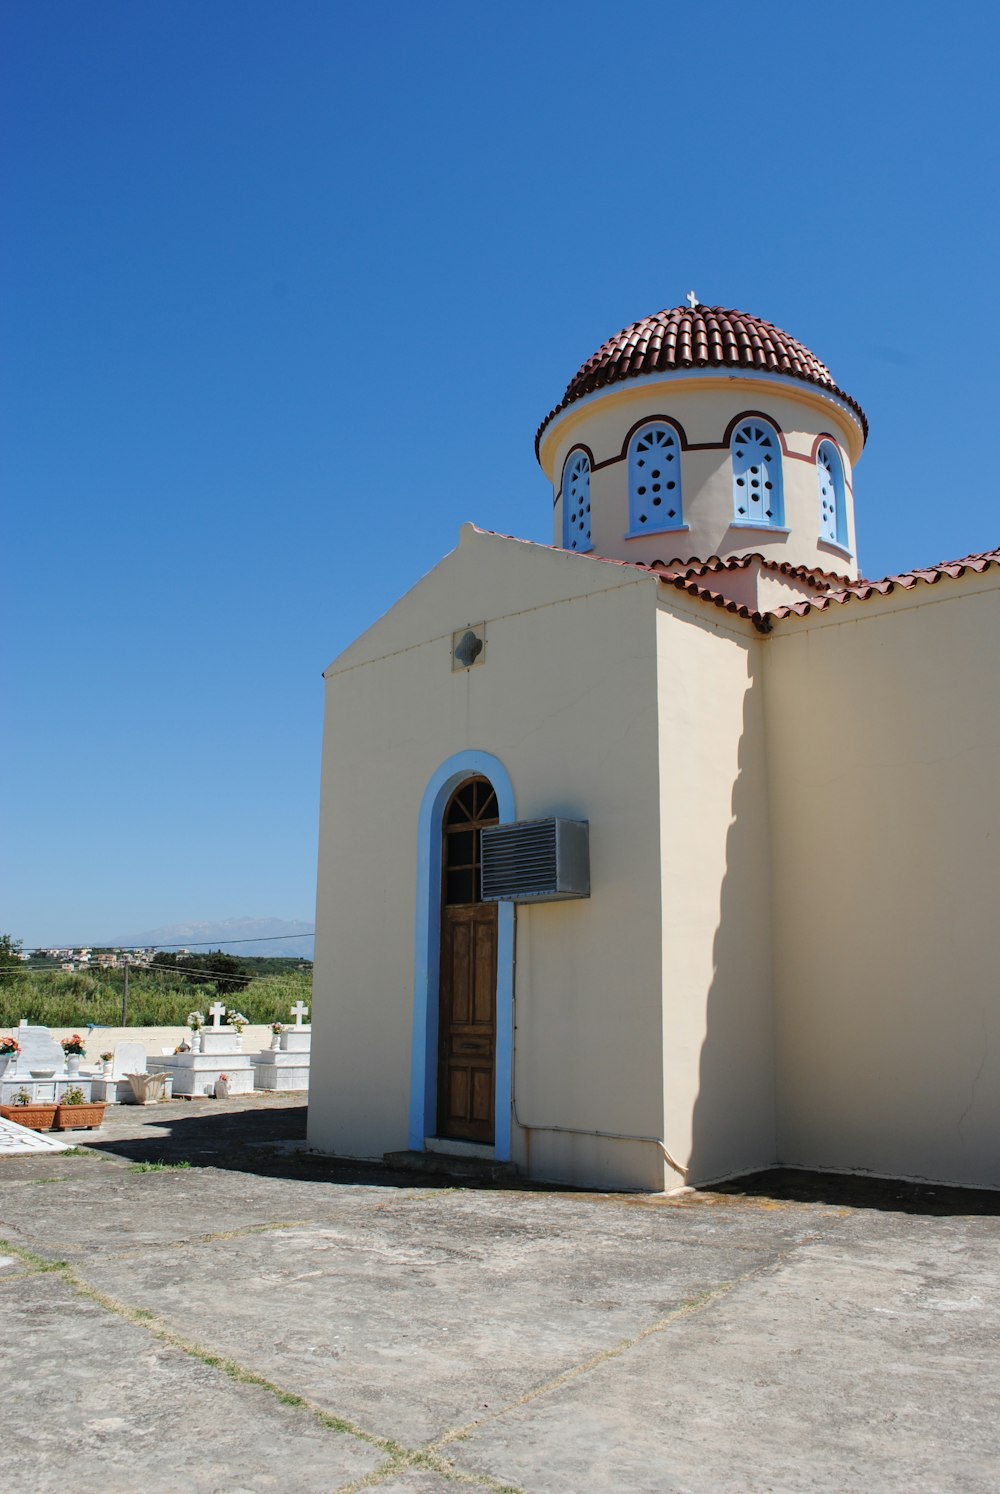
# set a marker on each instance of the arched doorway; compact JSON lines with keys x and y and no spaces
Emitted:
{"x":467,"y":988}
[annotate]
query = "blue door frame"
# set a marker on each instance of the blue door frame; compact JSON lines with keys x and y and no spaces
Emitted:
{"x":427,"y":945}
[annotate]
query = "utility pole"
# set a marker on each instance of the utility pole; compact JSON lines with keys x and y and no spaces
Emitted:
{"x":125,"y":992}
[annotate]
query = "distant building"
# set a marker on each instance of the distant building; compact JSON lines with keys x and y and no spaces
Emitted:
{"x":789,"y":952}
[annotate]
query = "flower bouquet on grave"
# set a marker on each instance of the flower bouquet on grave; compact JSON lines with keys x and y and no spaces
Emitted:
{"x":277,"y":1028}
{"x":196,"y":1021}
{"x":9,"y":1047}
{"x":222,"y":1087}
{"x":74,"y":1049}
{"x":237,"y":1020}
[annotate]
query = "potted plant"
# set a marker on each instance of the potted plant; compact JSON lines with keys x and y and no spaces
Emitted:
{"x":74,"y":1113}
{"x":277,"y":1028}
{"x":37,"y":1116}
{"x":9,"y":1049}
{"x":222,"y":1087}
{"x":74,"y":1049}
{"x":107,"y":1060}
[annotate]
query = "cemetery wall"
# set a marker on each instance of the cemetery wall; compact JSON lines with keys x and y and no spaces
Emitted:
{"x":155,"y":1039}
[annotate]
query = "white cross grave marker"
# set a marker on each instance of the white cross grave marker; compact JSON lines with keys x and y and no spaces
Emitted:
{"x":691,"y":299}
{"x":216,"y":1012}
{"x":298,"y":1011}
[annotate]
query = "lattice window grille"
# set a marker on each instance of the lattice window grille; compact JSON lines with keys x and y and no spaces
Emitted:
{"x":576,"y":502}
{"x":829,"y":477}
{"x":756,"y":475}
{"x":655,"y":479}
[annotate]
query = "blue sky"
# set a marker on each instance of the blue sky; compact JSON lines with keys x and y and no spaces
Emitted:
{"x":287,"y":290}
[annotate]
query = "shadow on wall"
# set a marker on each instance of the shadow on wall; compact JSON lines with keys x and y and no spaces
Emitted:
{"x":733,"y":1125}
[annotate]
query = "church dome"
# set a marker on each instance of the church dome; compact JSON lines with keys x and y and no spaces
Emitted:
{"x":684,"y":337}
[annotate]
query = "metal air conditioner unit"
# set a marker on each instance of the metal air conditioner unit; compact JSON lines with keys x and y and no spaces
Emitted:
{"x":536,"y":861}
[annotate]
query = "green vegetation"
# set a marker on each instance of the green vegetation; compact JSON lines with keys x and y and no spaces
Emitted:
{"x":160,"y":1166}
{"x":10,"y":957}
{"x":156,"y":997}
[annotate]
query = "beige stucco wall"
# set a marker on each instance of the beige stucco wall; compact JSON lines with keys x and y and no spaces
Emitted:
{"x":718,"y":1037}
{"x":884,"y":732}
{"x":704,"y":406}
{"x":567,"y":701}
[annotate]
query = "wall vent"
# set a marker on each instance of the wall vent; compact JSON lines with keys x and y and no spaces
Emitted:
{"x":536,"y":861}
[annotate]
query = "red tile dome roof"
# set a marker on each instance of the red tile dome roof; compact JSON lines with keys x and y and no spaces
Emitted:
{"x":698,"y":337}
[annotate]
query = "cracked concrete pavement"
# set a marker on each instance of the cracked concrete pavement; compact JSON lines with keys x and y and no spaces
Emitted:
{"x":192,"y":1300}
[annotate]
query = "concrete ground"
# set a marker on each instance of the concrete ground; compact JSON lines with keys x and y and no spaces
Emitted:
{"x":189,"y":1302}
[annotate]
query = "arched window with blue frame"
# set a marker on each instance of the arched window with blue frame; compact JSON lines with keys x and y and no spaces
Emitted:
{"x":576,"y":501}
{"x":832,"y":508}
{"x":654,"y":479}
{"x":758,"y":499}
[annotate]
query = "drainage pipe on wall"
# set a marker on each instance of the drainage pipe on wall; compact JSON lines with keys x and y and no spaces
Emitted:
{"x":570,"y":1130}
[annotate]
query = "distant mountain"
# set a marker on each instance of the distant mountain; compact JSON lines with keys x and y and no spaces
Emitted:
{"x":273,"y":937}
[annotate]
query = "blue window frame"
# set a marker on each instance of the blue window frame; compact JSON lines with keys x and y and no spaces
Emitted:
{"x":832,"y":508}
{"x":654,"y":479}
{"x":576,"y":501}
{"x":758,"y":498}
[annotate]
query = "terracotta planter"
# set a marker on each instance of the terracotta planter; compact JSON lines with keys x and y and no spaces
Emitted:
{"x":35,"y":1117}
{"x":79,"y":1117}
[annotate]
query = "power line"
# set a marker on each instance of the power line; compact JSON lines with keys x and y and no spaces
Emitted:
{"x":22,"y":968}
{"x":179,"y":944}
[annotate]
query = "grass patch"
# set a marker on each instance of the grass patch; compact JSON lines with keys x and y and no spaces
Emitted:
{"x":31,"y":1259}
{"x":159,"y":1166}
{"x":81,"y":1151}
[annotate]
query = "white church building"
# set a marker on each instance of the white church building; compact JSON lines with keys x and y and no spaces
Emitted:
{"x":671,"y":851}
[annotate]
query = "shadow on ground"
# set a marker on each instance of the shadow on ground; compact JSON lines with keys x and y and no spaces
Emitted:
{"x":268,"y":1140}
{"x":842,"y":1191}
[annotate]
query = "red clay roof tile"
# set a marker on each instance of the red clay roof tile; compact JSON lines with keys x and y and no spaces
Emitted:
{"x":830,"y":587}
{"x":699,"y":337}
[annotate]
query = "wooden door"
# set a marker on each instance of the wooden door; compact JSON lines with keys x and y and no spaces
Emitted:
{"x":467,"y":1022}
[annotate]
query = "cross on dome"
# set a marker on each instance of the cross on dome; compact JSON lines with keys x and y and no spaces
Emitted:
{"x":691,"y":299}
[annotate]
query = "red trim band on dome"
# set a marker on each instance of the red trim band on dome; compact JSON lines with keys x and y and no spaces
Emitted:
{"x":700,"y":337}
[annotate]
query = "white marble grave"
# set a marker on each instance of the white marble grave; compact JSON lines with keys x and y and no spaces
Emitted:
{"x":114,"y":1088}
{"x":287,"y":1066}
{"x":219,"y":1051}
{"x":39,"y":1068}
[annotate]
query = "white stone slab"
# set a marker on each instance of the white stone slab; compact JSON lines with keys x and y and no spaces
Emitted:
{"x":296,"y":1040}
{"x":130,"y":1058}
{"x":18,"y":1140}
{"x":196,"y":1073}
{"x":221,"y":1040}
{"x":276,"y":1070}
{"x":43,"y":1091}
{"x":111,"y":1091}
{"x":39,"y":1050}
